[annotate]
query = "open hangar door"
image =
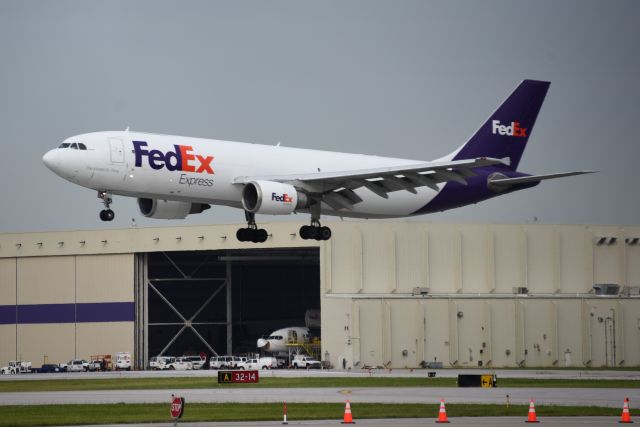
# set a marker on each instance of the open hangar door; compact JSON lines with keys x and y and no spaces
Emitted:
{"x":221,"y":302}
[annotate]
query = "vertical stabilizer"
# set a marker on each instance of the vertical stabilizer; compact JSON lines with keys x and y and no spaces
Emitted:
{"x":506,"y":132}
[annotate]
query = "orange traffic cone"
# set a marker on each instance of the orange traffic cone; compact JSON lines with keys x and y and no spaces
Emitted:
{"x":532,"y":413}
{"x":626,"y":416}
{"x":348,"y":419}
{"x":442,"y":415}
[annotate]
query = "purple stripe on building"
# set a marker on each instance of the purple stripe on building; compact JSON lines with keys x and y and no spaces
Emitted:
{"x":67,"y":313}
{"x":7,"y":314}
{"x":106,"y":312}
{"x":46,"y":313}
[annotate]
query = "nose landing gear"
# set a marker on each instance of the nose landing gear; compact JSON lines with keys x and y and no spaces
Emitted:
{"x":106,"y":214}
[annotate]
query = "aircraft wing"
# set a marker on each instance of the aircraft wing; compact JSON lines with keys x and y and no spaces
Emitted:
{"x":336,"y":188}
{"x":507,"y":182}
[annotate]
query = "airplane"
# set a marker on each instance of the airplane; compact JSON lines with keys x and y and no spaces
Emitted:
{"x":174,"y":176}
{"x":276,"y":342}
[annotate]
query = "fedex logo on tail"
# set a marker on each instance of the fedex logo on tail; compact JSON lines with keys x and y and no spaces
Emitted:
{"x":285,"y":198}
{"x":182,"y":159}
{"x":513,"y":129}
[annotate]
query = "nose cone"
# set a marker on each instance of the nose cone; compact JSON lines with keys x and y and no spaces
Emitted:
{"x":50,"y":160}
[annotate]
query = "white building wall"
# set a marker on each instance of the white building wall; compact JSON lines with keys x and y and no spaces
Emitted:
{"x":49,"y":292}
{"x":470,"y":315}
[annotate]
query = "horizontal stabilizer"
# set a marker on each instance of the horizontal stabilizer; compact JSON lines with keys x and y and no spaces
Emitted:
{"x":507,"y":182}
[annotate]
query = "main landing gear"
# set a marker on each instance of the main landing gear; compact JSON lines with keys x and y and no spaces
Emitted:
{"x":106,"y":214}
{"x":252,"y":233}
{"x":315,"y":231}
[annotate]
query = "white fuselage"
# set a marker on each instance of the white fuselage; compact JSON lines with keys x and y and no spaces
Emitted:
{"x":111,"y":163}
{"x":281,"y":340}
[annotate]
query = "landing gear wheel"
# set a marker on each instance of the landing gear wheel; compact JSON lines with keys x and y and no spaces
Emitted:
{"x":315,"y":232}
{"x":252,"y":233}
{"x":324,"y":233}
{"x":242,"y":233}
{"x":304,"y":232}
{"x":260,"y":235}
{"x":107,"y":215}
{"x":255,"y":235}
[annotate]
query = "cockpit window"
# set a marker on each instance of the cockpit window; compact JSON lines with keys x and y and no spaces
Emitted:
{"x":73,"y":146}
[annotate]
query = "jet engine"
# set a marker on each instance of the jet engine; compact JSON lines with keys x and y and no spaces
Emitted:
{"x":169,"y":209}
{"x":272,"y":198}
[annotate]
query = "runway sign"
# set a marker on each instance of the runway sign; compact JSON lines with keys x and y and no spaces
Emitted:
{"x":237,"y":377}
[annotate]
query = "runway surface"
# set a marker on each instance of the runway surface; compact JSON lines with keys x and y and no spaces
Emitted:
{"x":408,"y":422}
{"x":542,"y":396}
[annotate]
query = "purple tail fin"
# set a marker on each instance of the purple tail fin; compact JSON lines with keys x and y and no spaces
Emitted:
{"x":506,"y":132}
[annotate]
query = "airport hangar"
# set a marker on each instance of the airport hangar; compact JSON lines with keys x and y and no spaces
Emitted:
{"x":392,"y":294}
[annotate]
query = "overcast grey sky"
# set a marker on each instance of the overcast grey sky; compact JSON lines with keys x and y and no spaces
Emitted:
{"x":410,"y":79}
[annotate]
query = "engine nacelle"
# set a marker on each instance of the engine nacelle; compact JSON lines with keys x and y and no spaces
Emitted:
{"x":272,"y":198}
{"x":169,"y":209}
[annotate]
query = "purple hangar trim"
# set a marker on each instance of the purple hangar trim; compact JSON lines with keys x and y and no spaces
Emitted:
{"x":67,"y":313}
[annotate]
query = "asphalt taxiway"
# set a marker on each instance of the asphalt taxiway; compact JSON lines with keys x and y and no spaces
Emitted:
{"x":543,"y":396}
{"x":405,"y":422}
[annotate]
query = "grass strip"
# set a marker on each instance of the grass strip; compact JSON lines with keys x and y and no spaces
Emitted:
{"x":45,"y":415}
{"x":346,"y":382}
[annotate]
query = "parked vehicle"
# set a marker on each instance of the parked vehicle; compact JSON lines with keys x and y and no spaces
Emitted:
{"x":75,"y":365}
{"x":160,"y":363}
{"x":272,"y":362}
{"x":302,"y":361}
{"x":100,"y":362}
{"x":123,"y":361}
{"x":262,"y":363}
{"x":95,"y":365}
{"x":180,"y":364}
{"x":221,"y":362}
{"x":196,"y":361}
{"x":16,"y":367}
{"x":49,"y":368}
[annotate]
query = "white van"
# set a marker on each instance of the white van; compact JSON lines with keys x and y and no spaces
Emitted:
{"x":222,"y":362}
{"x":160,"y":363}
{"x":196,"y":361}
{"x":123,"y":361}
{"x":262,"y":363}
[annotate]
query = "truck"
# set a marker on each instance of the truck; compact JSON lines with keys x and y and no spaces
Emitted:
{"x":75,"y":365}
{"x":261,"y":363}
{"x":180,"y":364}
{"x":304,"y":361}
{"x":160,"y":363}
{"x":16,"y":367}
{"x":123,"y":361}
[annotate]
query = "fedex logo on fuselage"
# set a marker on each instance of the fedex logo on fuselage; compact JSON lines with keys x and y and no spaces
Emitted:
{"x":285,"y":198}
{"x":182,"y":159}
{"x":513,"y":129}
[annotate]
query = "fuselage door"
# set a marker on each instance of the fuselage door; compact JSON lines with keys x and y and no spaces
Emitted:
{"x":117,"y":150}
